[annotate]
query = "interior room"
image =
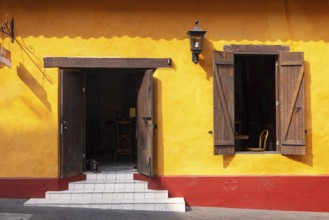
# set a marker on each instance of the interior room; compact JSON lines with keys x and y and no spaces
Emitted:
{"x":254,"y":77}
{"x":111,"y":98}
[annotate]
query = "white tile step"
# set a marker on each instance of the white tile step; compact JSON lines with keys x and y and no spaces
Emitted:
{"x":112,"y":176}
{"x":142,"y":195}
{"x":171,"y":204}
{"x":108,"y":185}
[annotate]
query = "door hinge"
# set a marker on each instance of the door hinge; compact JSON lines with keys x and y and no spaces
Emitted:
{"x":61,"y":129}
{"x":277,"y":143}
{"x":277,"y":103}
{"x":83,"y":89}
{"x":83,"y":156}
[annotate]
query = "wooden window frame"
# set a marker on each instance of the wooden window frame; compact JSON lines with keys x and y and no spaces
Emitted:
{"x":256,"y":49}
{"x":220,"y":61}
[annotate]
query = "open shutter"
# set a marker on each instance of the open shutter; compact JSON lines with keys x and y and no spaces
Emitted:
{"x":291,"y":103}
{"x":223,"y":102}
{"x":145,"y":125}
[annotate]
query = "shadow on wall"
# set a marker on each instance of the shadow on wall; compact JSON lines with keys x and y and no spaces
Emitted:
{"x":227,"y":159}
{"x":223,"y":20}
{"x":28,"y":78}
{"x":33,"y":85}
{"x":29,"y":51}
{"x":206,"y":58}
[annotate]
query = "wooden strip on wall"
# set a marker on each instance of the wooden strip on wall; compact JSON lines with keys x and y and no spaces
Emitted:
{"x":102,"y":62}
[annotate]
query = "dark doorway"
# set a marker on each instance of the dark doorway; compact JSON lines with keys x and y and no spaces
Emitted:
{"x":254,"y":87}
{"x":107,"y":116}
{"x":111,"y":96}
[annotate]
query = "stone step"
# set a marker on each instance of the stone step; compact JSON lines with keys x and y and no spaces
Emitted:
{"x":111,"y":176}
{"x":113,"y":190}
{"x":143,"y":195}
{"x":171,"y":204}
{"x":117,"y":186}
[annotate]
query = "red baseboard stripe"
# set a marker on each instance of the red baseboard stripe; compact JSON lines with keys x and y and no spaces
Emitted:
{"x":293,"y":193}
{"x":24,"y":188}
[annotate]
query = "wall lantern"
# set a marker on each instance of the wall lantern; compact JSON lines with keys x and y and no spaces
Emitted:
{"x":196,"y":40}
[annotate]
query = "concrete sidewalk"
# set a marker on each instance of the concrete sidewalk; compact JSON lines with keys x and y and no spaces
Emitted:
{"x":13,"y":209}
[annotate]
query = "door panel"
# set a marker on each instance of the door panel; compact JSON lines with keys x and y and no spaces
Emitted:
{"x":145,"y":125}
{"x":72,"y":123}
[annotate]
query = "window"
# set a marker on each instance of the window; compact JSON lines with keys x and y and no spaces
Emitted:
{"x":258,"y":87}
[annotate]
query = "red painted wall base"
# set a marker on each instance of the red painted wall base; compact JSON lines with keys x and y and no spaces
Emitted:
{"x":294,"y":193}
{"x":25,"y":188}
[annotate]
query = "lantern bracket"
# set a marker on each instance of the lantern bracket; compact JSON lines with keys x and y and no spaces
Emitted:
{"x":8,"y":29}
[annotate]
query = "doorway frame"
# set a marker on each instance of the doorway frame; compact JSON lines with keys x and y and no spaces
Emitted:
{"x":97,"y":62}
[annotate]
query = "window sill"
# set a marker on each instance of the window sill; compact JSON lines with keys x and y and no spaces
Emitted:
{"x":262,"y":152}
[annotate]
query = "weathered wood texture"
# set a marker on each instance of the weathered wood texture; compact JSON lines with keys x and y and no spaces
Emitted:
{"x":291,"y":104}
{"x":223,"y":70}
{"x":72,"y":123}
{"x":256,"y":49}
{"x":145,"y":125}
{"x":102,"y":62}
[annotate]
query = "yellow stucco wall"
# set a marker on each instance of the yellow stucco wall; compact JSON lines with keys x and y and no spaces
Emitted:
{"x":29,"y":93}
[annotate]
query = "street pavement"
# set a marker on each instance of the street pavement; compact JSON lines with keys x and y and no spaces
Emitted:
{"x":14,"y":209}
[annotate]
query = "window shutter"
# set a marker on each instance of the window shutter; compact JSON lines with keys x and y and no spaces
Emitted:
{"x":291,"y":103}
{"x":223,"y":102}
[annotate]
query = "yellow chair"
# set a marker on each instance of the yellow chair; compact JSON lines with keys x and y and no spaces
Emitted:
{"x":261,"y":142}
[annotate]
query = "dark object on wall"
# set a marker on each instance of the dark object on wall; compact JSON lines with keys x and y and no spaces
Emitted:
{"x":196,"y":40}
{"x":8,"y":28}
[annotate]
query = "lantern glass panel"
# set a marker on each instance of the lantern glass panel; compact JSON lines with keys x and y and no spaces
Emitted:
{"x":196,"y":42}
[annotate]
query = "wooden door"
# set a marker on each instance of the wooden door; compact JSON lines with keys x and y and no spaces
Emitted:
{"x":72,"y":123}
{"x":145,"y":125}
{"x":223,"y":102}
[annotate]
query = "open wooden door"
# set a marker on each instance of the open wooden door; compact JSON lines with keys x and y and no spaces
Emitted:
{"x":145,"y":125}
{"x":72,"y":124}
{"x":223,"y":102}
